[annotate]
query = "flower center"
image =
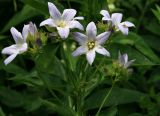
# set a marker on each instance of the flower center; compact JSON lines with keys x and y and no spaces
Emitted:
{"x":61,"y":24}
{"x":91,"y":45}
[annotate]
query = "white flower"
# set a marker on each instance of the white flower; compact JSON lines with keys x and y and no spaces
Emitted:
{"x":63,"y":22}
{"x":90,"y":43}
{"x":20,"y":46}
{"x":123,"y":60}
{"x":116,"y":19}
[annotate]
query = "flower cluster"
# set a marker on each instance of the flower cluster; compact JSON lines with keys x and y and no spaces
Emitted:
{"x":90,"y":42}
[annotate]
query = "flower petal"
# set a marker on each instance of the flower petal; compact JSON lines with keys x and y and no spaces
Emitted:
{"x":128,"y":63}
{"x":25,"y":32}
{"x":80,"y":38}
{"x":128,"y":24}
{"x":75,"y":24}
{"x":9,"y":59}
{"x":102,"y":50}
{"x":54,"y":12}
{"x":106,"y":15}
{"x":119,"y":56}
{"x":90,"y":55}
{"x":17,"y":36}
{"x":101,"y":38}
{"x":116,"y":18}
{"x":91,"y":30}
{"x":79,"y":51}
{"x":63,"y":32}
{"x":49,"y":22}
{"x":32,"y":29}
{"x":79,"y":18}
{"x":106,"y":19}
{"x":9,"y":50}
{"x":68,"y":14}
{"x":123,"y":59}
{"x":123,"y":29}
{"x":23,"y":48}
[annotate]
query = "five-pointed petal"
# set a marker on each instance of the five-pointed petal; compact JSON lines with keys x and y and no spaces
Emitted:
{"x":20,"y":46}
{"x":90,"y":43}
{"x":63,"y":22}
{"x":116,"y":19}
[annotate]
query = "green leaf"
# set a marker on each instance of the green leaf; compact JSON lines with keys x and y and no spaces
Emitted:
{"x":153,"y":27}
{"x":11,"y":68}
{"x":140,"y":59}
{"x":29,"y":79}
{"x":44,"y":60}
{"x":1,"y":112}
{"x":135,"y":114}
{"x":54,"y":82}
{"x":137,"y":42}
{"x":152,"y":41}
{"x":10,"y":97}
{"x":47,"y":62}
{"x":26,"y":13}
{"x":32,"y":104}
{"x":117,"y":96}
{"x":109,"y":112}
{"x":61,"y":109}
{"x":157,"y":12}
{"x":41,"y":7}
{"x":3,"y":37}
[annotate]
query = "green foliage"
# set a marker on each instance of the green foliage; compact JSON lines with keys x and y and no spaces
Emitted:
{"x":157,"y":12}
{"x":19,"y":17}
{"x":50,"y":81}
{"x":118,"y":96}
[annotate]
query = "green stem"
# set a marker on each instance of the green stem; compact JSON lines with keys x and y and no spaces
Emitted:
{"x":68,"y":2}
{"x":70,"y":101}
{"x":105,"y":99}
{"x":15,"y":5}
{"x":79,"y":103}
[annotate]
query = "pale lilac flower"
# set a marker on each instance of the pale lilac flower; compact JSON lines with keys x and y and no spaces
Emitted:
{"x":20,"y":47}
{"x":123,"y":60}
{"x":32,"y":29}
{"x":116,"y":19}
{"x":63,"y":22}
{"x":90,"y":43}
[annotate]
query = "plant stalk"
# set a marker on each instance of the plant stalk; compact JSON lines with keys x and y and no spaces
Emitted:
{"x":105,"y":99}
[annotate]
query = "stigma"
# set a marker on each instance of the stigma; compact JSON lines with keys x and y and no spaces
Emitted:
{"x":91,"y":45}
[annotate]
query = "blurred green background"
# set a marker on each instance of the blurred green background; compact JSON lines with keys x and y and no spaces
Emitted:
{"x":23,"y":94}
